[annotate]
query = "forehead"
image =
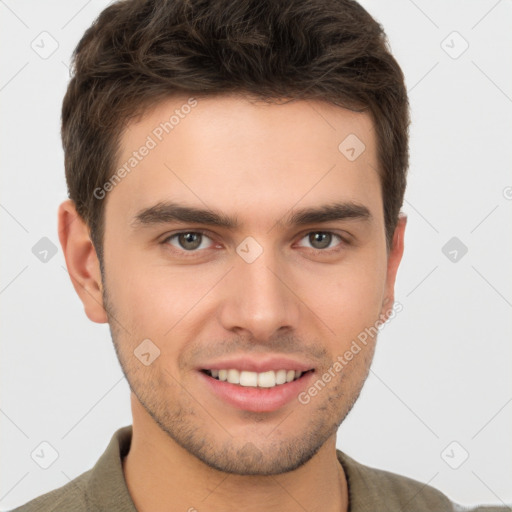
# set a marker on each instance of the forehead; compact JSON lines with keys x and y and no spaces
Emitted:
{"x":236,"y":155}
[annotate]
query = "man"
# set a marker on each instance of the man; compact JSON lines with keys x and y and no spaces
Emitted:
{"x":236,"y":171}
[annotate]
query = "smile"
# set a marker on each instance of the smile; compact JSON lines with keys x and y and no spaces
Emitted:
{"x":268,"y":379}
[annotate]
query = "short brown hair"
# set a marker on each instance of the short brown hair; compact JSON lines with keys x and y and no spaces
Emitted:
{"x":139,"y":52}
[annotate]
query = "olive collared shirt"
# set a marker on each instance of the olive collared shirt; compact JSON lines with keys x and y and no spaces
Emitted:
{"x":103,"y":488}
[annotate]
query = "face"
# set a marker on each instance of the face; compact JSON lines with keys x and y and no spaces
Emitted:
{"x":258,"y":290}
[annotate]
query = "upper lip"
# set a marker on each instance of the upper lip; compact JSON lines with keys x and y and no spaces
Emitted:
{"x":259,"y":365}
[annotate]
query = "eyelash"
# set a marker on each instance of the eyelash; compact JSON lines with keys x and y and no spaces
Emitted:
{"x":196,"y":252}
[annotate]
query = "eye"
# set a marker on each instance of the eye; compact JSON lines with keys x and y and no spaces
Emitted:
{"x":321,"y":240}
{"x":193,"y":241}
{"x":189,"y":241}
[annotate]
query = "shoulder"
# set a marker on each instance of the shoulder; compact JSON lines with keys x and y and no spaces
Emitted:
{"x":69,"y":497}
{"x":101,"y":488}
{"x":376,"y":489}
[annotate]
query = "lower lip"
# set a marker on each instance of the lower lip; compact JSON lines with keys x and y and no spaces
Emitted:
{"x":257,"y":399}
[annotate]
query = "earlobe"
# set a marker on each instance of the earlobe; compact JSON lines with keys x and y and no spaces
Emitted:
{"x":394,"y":258}
{"x":81,"y":261}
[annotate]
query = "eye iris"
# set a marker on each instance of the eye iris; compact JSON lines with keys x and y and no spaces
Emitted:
{"x":323,"y":238}
{"x":190,"y":240}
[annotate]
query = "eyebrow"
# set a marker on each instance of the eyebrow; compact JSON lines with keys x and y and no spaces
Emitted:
{"x":169,"y":211}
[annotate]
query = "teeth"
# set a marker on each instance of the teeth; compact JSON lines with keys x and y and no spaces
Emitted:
{"x":234,"y":376}
{"x":248,"y":379}
{"x":280,"y":376}
{"x":244,"y":378}
{"x":267,"y":379}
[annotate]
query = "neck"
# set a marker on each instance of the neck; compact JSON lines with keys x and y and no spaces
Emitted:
{"x":162,"y":476}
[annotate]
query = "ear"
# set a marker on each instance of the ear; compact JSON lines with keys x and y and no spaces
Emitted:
{"x":82,"y":262}
{"x":394,"y":257}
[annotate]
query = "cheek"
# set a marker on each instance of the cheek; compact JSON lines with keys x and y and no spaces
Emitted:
{"x":157,"y":301}
{"x":153,"y":299}
{"x":349,"y":298}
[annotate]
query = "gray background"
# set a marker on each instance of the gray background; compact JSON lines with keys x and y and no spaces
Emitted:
{"x":442,"y":369}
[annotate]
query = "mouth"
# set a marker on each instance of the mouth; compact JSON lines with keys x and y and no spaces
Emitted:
{"x":261,"y":383}
{"x":268,"y":379}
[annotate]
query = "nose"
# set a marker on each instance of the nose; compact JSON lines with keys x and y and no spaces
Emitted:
{"x":259,"y":298}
